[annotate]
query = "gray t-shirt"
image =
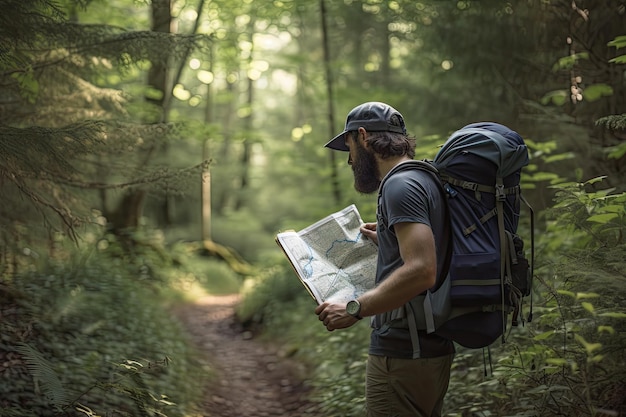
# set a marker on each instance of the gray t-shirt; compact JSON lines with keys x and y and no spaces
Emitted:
{"x":408,"y":195}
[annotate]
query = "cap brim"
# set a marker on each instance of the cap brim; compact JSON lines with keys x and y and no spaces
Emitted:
{"x":338,"y":143}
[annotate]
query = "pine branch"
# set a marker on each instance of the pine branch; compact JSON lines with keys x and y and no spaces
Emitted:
{"x":616,"y":122}
{"x":64,"y":213}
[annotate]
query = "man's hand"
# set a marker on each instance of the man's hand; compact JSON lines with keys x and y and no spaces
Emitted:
{"x":334,"y":316}
{"x":369,"y":231}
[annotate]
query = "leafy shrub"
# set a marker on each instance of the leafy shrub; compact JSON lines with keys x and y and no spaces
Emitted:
{"x":267,"y":291}
{"x":92,"y":339}
{"x":197,"y":271}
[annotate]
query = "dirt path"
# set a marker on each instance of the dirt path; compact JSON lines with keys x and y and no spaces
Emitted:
{"x":253,"y":379}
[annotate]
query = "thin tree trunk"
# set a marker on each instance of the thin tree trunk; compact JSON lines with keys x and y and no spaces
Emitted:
{"x":247,"y":124}
{"x":159,"y":80}
{"x":337,"y":194}
{"x":166,"y":214}
{"x":206,"y":173}
{"x":222,"y":200}
{"x":167,"y":99}
{"x":130,"y":209}
{"x":157,"y":75}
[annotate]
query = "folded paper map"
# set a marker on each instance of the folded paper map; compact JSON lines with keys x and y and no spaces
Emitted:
{"x":332,"y":258}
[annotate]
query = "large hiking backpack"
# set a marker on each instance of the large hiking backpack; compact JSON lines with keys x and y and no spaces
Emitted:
{"x":486,"y":273}
{"x":480,"y":167}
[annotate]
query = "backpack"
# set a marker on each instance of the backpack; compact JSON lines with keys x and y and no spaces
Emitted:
{"x":480,"y":167}
{"x":486,"y":273}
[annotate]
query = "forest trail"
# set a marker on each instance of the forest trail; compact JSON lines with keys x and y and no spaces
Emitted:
{"x":252,"y":378}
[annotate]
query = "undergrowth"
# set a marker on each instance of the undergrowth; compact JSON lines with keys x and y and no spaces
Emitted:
{"x":89,"y":336}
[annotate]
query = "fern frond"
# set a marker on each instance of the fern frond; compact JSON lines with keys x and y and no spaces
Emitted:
{"x":44,"y":375}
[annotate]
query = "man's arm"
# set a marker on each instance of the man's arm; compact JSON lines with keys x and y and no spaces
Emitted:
{"x":417,"y":274}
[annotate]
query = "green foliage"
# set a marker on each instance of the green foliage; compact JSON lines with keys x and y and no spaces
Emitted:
{"x":209,"y":274}
{"x":614,"y":122}
{"x":443,"y":64}
{"x":618,"y":43}
{"x":267,"y":291}
{"x":594,"y":216}
{"x":570,"y":360}
{"x":69,"y":133}
{"x":91,"y":338}
{"x":346,"y":364}
{"x":43,"y":372}
{"x":243,"y":231}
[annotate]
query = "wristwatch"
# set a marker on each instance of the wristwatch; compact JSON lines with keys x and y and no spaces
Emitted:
{"x":354,"y":308}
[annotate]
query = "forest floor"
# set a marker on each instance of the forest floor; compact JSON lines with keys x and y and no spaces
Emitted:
{"x":253,"y":378}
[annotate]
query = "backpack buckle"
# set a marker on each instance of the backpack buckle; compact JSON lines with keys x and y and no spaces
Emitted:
{"x":467,"y":185}
{"x":500,"y":193}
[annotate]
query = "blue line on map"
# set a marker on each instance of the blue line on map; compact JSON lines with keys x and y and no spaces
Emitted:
{"x":343,"y":241}
{"x":308,"y":267}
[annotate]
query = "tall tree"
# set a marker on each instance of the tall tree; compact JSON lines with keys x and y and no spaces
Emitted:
{"x":129,"y":210}
{"x":64,"y":133}
{"x":330,"y":100}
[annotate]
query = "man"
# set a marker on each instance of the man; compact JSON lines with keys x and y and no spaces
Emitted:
{"x":404,"y":377}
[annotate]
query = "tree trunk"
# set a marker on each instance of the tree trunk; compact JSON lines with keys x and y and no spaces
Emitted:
{"x":206,"y":173}
{"x":337,"y":194}
{"x":247,"y":125}
{"x":222,"y":200}
{"x":130,"y":208}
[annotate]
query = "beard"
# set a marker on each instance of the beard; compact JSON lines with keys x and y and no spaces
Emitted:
{"x":365,"y":169}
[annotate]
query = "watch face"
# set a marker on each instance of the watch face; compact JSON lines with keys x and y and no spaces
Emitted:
{"x":353,"y":308}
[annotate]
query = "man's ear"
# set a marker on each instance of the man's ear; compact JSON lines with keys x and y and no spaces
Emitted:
{"x":361,"y":137}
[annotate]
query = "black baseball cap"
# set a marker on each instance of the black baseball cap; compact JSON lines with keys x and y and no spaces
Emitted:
{"x":374,"y":116}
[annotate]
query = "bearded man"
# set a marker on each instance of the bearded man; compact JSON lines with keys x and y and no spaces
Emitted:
{"x":402,"y":379}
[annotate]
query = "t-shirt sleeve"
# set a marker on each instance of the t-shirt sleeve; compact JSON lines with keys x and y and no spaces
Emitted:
{"x":406,"y":197}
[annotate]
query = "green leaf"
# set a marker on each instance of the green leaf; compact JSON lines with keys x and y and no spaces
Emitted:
{"x":565,"y":292}
{"x":619,"y":42}
{"x":556,"y":361}
{"x":559,"y":157}
{"x":589,"y":347}
{"x":544,"y":335}
{"x":618,"y":151}
{"x":603,"y":218}
{"x":557,"y":97}
{"x":583,"y":295}
{"x":596,"y":179}
{"x":588,"y":306}
{"x":499,"y":395}
{"x":618,"y":60}
{"x":596,"y":358}
{"x":596,"y":91}
{"x":569,"y":61}
{"x":614,"y":208}
{"x":607,"y":329}
{"x":614,"y":315}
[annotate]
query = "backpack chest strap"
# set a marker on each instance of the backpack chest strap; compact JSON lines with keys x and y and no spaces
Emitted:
{"x":498,"y":191}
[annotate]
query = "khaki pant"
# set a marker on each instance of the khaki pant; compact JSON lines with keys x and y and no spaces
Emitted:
{"x":406,"y":387}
